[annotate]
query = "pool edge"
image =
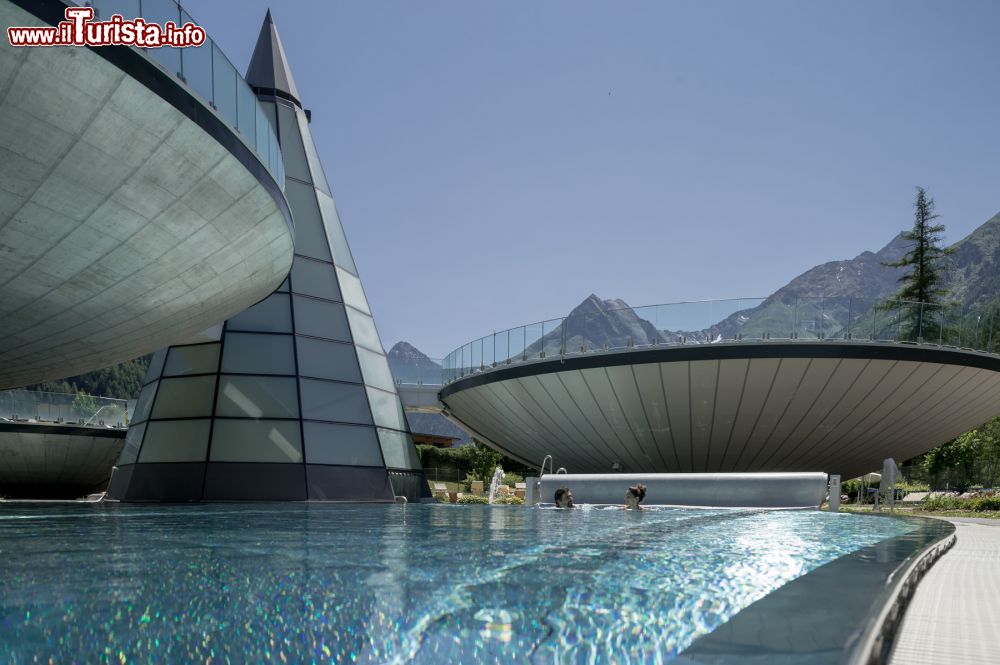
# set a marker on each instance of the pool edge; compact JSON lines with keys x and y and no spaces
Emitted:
{"x":844,"y":612}
{"x":874,"y":645}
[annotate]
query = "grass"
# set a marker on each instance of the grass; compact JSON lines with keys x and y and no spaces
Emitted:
{"x":917,"y":510}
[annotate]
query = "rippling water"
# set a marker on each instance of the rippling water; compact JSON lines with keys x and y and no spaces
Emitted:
{"x":368,"y":584}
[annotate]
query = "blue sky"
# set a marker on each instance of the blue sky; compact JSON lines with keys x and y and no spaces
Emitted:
{"x":496,"y":162}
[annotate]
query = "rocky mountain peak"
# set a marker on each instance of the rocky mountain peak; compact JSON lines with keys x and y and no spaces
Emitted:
{"x":894,"y":250}
{"x":406,"y":351}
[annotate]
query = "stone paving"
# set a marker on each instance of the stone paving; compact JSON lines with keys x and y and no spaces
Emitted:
{"x":954,"y":616}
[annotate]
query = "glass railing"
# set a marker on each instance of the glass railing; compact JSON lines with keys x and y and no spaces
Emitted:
{"x":207,"y":72}
{"x":417,"y":371}
{"x":28,"y":406}
{"x":736,"y":320}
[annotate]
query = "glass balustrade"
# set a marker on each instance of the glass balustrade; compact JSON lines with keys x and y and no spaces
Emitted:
{"x":208,"y":73}
{"x":729,"y":321}
{"x":28,"y":406}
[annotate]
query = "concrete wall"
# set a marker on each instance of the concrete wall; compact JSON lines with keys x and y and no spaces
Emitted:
{"x":124,"y":225}
{"x":56,"y":462}
{"x":737,"y":490}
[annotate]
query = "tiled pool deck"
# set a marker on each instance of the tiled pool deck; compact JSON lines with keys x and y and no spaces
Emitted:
{"x":954,"y":616}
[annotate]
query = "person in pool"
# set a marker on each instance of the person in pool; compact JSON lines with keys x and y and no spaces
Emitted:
{"x":634,"y":496}
{"x":564,"y":498}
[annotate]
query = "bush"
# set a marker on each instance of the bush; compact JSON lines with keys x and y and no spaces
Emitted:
{"x":943,"y":503}
{"x":907,"y":487}
{"x":468,"y":498}
{"x":512,"y":479}
{"x":508,"y":500}
{"x":851,"y":488}
{"x":986,"y":503}
{"x":980,"y":504}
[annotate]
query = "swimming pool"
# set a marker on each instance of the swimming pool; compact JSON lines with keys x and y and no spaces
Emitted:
{"x":419,"y":583}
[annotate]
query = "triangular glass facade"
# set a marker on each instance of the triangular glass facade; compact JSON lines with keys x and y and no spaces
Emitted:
{"x":295,"y":401}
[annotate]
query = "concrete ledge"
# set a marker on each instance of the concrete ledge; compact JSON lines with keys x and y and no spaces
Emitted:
{"x":736,"y":490}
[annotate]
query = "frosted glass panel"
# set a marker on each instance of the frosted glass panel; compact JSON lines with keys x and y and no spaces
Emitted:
{"x":184,"y":398}
{"x":155,"y":365}
{"x":398,"y":450}
{"x":198,"y":359}
{"x":350,"y":287}
{"x":272,"y":314}
{"x":246,"y":110}
{"x":175,"y":441}
{"x":161,"y":11}
{"x":257,"y":397}
{"x":263,"y":128}
{"x":144,"y":402}
{"x":327,"y":360}
{"x":196,"y":66}
{"x":339,"y":402}
{"x":313,"y":278}
{"x":256,"y":441}
{"x":375,"y":369}
{"x":132,"y":442}
{"x":363,"y":330}
{"x":224,"y":85}
{"x":386,"y":409}
{"x":296,"y":164}
{"x":246,"y":353}
{"x":318,"y":177}
{"x":351,"y":445}
{"x":319,"y":318}
{"x":310,"y":235}
{"x":335,"y":234}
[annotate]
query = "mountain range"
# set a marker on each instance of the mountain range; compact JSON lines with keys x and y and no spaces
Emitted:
{"x":825,"y":300}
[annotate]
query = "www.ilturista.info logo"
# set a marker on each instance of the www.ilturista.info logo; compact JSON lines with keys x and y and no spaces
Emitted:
{"x":79,"y":29}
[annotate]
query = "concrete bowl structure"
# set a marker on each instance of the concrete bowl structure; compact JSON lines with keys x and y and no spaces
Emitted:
{"x":837,"y":406}
{"x":140,"y":200}
{"x":56,"y":461}
{"x":58,"y":445}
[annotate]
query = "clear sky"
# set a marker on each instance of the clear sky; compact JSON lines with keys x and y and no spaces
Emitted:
{"x":495,"y":162}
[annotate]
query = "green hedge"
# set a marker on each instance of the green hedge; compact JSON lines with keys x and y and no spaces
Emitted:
{"x":977,"y":505}
{"x":469,"y":498}
{"x":508,"y":500}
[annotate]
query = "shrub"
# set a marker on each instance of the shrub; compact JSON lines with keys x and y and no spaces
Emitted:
{"x":977,"y":504}
{"x":985,"y":503}
{"x":468,"y":498}
{"x":512,"y":479}
{"x":508,"y":500}
{"x":942,"y":503}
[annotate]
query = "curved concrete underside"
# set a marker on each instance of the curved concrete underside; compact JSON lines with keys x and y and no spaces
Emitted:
{"x":125,"y":225}
{"x":833,"y":407}
{"x":56,"y":461}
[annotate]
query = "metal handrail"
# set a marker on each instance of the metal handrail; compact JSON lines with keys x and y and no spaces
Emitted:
{"x":734,"y":320}
{"x":30,"y":405}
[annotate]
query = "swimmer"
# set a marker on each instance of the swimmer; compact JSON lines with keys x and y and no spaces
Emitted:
{"x":564,"y":498}
{"x":634,"y":496}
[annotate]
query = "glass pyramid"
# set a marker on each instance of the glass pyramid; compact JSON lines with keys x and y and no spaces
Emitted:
{"x":294,"y":401}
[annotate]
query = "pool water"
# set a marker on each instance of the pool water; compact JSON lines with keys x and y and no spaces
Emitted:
{"x":371,"y":584}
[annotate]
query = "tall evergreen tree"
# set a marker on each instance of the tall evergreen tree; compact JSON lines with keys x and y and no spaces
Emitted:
{"x":922,"y":283}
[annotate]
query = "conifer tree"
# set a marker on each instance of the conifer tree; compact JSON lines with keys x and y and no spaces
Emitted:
{"x":922,"y":283}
